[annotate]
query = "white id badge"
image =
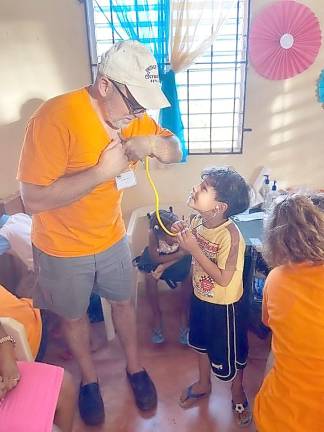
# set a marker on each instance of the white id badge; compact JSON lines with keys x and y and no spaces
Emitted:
{"x":125,"y":180}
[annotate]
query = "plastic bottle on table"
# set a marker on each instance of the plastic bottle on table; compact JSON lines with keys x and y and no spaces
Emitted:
{"x":265,"y":190}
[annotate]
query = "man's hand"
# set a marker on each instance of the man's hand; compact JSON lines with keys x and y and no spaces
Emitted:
{"x":137,"y":148}
{"x":188,"y":241}
{"x":70,"y":188}
{"x":165,"y":149}
{"x":113,"y":161}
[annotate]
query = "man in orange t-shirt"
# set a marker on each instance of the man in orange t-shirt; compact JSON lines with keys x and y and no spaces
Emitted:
{"x":75,"y":146}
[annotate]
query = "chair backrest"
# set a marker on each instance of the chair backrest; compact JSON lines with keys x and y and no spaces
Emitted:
{"x":11,"y":268}
{"x":17,"y":331}
{"x":12,"y":204}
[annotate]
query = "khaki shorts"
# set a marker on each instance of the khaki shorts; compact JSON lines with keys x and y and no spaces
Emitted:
{"x":64,"y":285}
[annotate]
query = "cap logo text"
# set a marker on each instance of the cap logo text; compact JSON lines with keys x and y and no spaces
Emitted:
{"x":151,"y":74}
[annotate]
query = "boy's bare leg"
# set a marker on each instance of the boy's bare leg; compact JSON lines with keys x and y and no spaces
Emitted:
{"x":203,"y":385}
{"x":238,"y":395}
{"x":185,"y":296}
{"x":243,"y":415}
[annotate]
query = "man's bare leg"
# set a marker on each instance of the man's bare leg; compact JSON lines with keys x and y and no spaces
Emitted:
{"x":77,"y":335}
{"x":124,"y":317}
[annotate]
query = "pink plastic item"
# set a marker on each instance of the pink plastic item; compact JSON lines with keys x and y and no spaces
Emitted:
{"x":284,"y":40}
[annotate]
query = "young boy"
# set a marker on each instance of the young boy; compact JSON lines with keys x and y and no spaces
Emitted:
{"x":217,"y":331}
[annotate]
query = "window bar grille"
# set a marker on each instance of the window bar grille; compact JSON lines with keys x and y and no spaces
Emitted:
{"x":235,"y":72}
{"x":112,"y":21}
{"x":188,"y":111}
{"x":248,"y":13}
{"x":211,"y":99}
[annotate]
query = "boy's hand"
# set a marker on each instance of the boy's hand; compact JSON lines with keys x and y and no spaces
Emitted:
{"x":178,"y":226}
{"x":188,"y":241}
{"x":157,"y":273}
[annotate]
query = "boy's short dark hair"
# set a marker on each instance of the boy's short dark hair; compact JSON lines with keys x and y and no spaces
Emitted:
{"x":230,"y":187}
{"x":167,"y":217}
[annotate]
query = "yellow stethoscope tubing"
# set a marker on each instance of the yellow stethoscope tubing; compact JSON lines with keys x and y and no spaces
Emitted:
{"x":157,"y":198}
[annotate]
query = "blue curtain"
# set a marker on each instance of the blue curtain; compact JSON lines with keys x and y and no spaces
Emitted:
{"x":171,"y":117}
{"x":320,"y":87}
{"x":149,"y":22}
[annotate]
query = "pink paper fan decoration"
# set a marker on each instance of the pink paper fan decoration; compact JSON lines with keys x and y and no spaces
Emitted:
{"x":284,"y":40}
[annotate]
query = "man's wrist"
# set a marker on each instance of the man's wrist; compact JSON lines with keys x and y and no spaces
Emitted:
{"x":99,"y":174}
{"x":152,"y":146}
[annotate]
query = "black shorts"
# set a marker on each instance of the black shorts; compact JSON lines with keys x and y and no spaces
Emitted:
{"x":177,"y":272}
{"x":221,"y":332}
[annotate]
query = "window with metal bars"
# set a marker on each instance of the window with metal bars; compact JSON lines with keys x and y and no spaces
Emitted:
{"x":211,"y":92}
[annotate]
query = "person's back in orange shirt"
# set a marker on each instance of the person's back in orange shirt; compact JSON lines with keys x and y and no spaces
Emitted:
{"x":292,"y":394}
{"x":291,"y":397}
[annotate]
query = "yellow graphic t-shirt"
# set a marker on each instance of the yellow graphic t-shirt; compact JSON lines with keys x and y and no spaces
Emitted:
{"x":225,"y":247}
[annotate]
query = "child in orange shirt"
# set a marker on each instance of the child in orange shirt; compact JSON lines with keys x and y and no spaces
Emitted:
{"x":291,"y":396}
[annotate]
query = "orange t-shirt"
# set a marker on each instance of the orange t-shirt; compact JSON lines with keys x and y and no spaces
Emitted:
{"x":22,"y":310}
{"x":291,"y":398}
{"x":64,"y":137}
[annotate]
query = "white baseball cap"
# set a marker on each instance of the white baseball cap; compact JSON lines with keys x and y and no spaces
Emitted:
{"x":131,"y":63}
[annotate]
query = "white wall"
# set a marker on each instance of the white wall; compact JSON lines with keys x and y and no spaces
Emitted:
{"x":43,"y":52}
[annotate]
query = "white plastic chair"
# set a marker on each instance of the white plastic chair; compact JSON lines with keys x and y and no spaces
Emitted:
{"x":137,"y":234}
{"x":138,"y":229}
{"x":109,"y":325}
{"x":17,"y":331}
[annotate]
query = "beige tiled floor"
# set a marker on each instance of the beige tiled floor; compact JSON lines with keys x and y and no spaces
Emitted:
{"x":172,"y":367}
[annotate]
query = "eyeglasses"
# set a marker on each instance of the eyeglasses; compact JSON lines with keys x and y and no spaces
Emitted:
{"x":133,"y":106}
